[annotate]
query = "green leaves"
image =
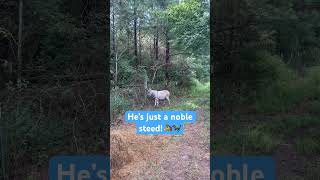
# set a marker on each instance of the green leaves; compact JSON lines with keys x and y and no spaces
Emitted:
{"x":189,"y":25}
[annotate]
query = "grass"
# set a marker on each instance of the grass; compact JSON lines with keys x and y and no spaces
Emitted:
{"x":247,"y":140}
{"x":182,"y":105}
{"x":263,"y":136}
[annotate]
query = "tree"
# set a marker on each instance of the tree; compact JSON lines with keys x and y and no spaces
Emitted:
{"x":19,"y":58}
{"x":135,"y":19}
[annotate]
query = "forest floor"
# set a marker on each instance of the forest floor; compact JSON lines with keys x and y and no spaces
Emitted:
{"x":164,"y":156}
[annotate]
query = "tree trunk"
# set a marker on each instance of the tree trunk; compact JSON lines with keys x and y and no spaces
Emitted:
{"x":3,"y":149}
{"x":140,"y":44}
{"x":167,"y":56}
{"x":114,"y":47}
{"x":19,"y":58}
{"x":135,"y":34}
{"x":114,"y":32}
{"x":116,"y":70}
{"x":154,"y":47}
{"x":128,"y":37}
{"x":157,"y":45}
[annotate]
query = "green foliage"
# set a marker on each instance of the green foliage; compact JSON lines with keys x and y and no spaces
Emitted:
{"x":255,"y":71}
{"x":30,"y":134}
{"x":289,"y":126}
{"x":308,"y":146}
{"x":265,"y":67}
{"x":281,"y":94}
{"x":126,"y":72}
{"x":182,"y":105}
{"x":200,"y":66}
{"x":182,"y":29}
{"x":118,"y":102}
{"x":247,"y":140}
{"x":266,"y":58}
{"x":189,"y":23}
{"x":62,"y":41}
{"x":192,"y":99}
{"x":199,"y":89}
{"x":185,"y":70}
{"x":264,"y":135}
{"x":182,"y":73}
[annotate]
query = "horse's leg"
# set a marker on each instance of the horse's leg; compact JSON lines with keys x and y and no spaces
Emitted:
{"x":168,"y":99}
{"x":155,"y":101}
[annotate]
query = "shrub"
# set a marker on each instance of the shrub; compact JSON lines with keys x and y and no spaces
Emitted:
{"x":288,"y":90}
{"x":181,"y":72}
{"x":313,"y":82}
{"x":308,"y":145}
{"x":249,"y":140}
{"x":199,"y":89}
{"x":118,"y":102}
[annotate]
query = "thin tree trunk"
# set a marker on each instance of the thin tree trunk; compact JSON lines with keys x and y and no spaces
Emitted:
{"x":154,"y":47}
{"x":3,"y":146}
{"x":135,"y":34}
{"x":113,"y":31}
{"x":167,"y":45}
{"x":116,"y":70}
{"x":19,"y":58}
{"x":3,"y":150}
{"x":140,"y":43}
{"x":151,"y":51}
{"x":167,"y":56}
{"x":128,"y":36}
{"x":157,"y":45}
{"x":115,"y":53}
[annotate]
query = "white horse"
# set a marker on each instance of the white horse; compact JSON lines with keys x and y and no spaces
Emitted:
{"x":164,"y":94}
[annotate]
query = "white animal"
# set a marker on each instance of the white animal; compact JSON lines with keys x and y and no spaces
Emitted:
{"x":164,"y":94}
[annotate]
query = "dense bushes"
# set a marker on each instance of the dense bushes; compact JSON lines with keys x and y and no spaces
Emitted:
{"x":44,"y":122}
{"x":119,"y":103}
{"x":182,"y":71}
{"x":269,"y":83}
{"x":288,"y":91}
{"x":260,"y":68}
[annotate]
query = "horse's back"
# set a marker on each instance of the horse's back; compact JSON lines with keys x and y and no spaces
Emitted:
{"x":161,"y":94}
{"x":168,"y":92}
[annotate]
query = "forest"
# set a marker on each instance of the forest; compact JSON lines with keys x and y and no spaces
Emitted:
{"x":161,"y":45}
{"x":157,"y":44}
{"x":53,"y":83}
{"x":266,"y":82}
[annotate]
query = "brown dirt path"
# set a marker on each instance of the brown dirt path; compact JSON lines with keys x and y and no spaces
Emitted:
{"x":163,"y":156}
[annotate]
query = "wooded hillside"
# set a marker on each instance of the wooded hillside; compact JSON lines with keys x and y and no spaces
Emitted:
{"x":53,"y":83}
{"x":266,"y":88}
